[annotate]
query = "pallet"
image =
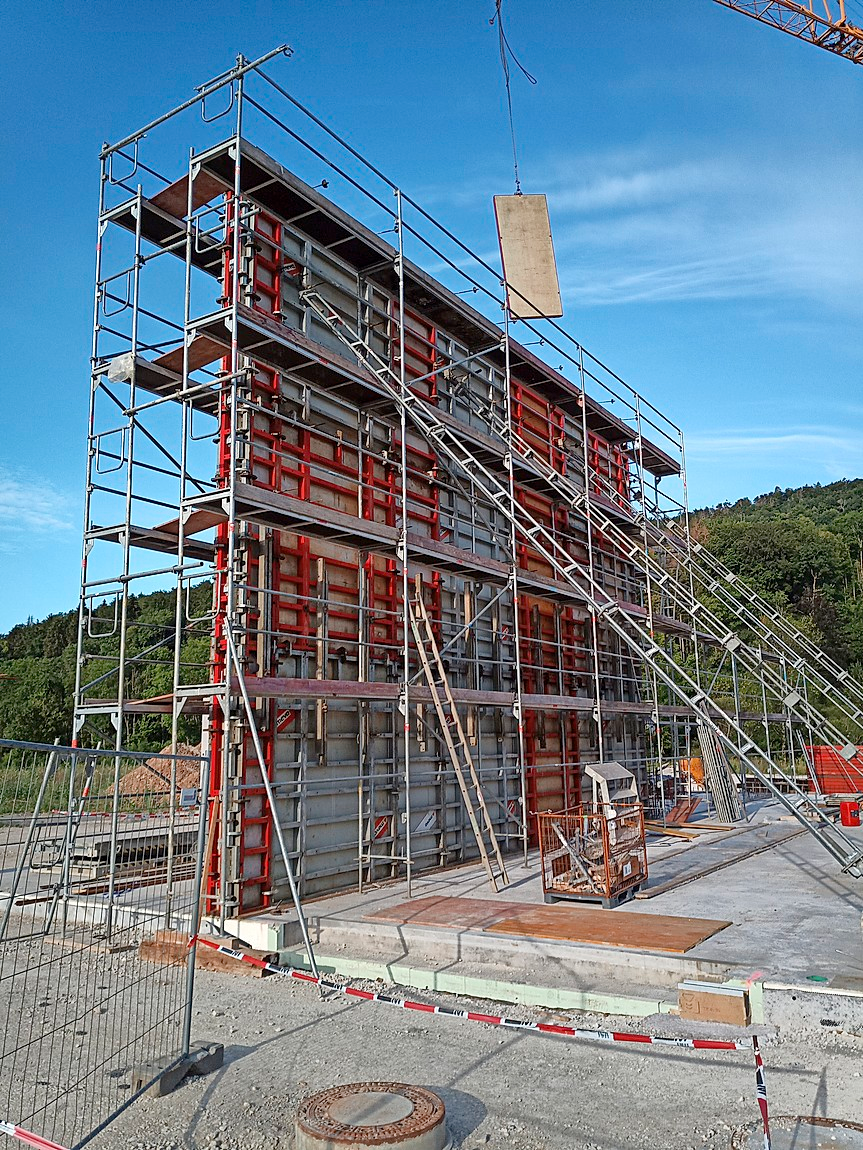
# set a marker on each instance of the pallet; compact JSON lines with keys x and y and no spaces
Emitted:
{"x":608,"y":902}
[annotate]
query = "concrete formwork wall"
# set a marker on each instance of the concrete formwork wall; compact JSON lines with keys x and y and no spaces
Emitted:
{"x":328,"y":612}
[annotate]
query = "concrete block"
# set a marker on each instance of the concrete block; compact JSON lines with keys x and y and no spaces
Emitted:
{"x":205,"y":1057}
{"x":270,"y":932}
{"x":836,"y":1006}
{"x":163,"y":1075}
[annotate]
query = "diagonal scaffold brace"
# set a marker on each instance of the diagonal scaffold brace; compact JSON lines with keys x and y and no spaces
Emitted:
{"x":271,"y":800}
{"x":584,"y":585}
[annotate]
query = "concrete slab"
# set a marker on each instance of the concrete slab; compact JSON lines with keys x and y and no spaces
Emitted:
{"x":794,"y":919}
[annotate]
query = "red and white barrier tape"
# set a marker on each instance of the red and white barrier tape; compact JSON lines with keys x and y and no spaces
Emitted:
{"x":474,"y":1015}
{"x":512,"y":1023}
{"x":28,"y":1137}
{"x":761,"y":1090}
{"x":471,"y":1016}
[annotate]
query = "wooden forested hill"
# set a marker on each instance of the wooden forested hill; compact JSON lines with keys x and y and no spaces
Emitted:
{"x":802,"y":548}
{"x":37,"y":668}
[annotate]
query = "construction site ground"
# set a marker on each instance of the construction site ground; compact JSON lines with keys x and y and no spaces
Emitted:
{"x":795,"y":928}
{"x":502,"y":1089}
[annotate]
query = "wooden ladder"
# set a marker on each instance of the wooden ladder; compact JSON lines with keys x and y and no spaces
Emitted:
{"x":454,"y":738}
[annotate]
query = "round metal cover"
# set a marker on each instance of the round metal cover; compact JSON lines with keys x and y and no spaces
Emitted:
{"x":372,"y":1116}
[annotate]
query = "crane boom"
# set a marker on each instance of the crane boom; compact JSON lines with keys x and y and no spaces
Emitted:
{"x":801,"y":20}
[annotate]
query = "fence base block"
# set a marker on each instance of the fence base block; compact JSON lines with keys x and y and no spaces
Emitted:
{"x":166,"y":1074}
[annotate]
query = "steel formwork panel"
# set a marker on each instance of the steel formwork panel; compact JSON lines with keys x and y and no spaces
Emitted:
{"x":317,"y":487}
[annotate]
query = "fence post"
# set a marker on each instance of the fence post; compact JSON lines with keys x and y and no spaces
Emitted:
{"x":194,"y":921}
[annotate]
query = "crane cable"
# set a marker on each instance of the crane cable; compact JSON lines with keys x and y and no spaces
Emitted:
{"x":506,"y":53}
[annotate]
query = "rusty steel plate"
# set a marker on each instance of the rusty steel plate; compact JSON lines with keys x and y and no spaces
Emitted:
{"x":795,"y":1133}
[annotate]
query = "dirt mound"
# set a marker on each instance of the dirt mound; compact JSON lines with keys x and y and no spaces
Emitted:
{"x":153,"y":777}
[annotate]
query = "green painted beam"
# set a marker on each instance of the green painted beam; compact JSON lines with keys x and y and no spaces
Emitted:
{"x":495,"y":990}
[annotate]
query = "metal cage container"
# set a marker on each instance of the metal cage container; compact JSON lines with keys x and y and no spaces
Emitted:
{"x":593,"y":854}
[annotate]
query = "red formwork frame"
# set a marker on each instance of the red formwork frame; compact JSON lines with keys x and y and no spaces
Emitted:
{"x":265,"y":463}
{"x":420,"y":341}
{"x":608,"y":467}
{"x":573,"y":653}
{"x":539,"y":423}
{"x":620,"y":475}
{"x":300,"y":461}
{"x":379,"y":491}
{"x":552,"y":756}
{"x":267,"y":283}
{"x":554,"y":517}
{"x":343,"y":617}
{"x":222,"y":539}
{"x":543,"y":655}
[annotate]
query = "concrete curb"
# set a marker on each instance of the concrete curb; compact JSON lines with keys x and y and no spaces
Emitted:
{"x":808,"y":1007}
{"x":495,"y":990}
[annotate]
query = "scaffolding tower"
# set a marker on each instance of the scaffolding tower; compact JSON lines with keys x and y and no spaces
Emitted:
{"x":316,"y":443}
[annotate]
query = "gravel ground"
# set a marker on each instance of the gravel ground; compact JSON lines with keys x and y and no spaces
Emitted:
{"x":501,"y":1088}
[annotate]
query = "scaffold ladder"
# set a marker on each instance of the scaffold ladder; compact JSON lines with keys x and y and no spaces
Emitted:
{"x":584,"y":585}
{"x":454,"y":739}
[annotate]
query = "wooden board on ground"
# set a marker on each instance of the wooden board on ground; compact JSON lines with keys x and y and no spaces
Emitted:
{"x":683,"y":811}
{"x":172,"y":948}
{"x":671,"y":831}
{"x":662,"y":932}
{"x":455,"y":913}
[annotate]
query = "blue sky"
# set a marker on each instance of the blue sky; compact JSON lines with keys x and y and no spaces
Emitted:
{"x":703,"y":175}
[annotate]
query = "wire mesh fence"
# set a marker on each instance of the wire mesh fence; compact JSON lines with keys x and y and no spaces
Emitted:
{"x":98,"y":850}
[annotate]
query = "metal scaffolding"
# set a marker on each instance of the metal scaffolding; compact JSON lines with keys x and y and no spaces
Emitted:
{"x":291,"y":411}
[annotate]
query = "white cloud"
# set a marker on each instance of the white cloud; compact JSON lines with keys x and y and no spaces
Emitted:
{"x":726,"y":228}
{"x":31,"y":511}
{"x":626,"y":182}
{"x":836,"y":452}
{"x":655,"y":224}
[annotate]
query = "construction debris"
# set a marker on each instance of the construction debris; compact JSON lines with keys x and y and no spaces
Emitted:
{"x":172,"y":948}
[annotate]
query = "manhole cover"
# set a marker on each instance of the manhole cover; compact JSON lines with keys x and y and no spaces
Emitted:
{"x":372,"y":1116}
